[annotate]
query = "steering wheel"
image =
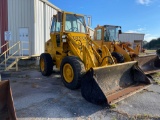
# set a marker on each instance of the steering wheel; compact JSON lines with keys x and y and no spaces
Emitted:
{"x":73,"y":29}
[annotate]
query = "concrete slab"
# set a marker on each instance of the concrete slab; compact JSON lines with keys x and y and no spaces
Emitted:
{"x":145,"y":103}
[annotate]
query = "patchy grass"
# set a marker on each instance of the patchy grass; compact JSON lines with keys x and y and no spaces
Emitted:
{"x":157,"y":82}
{"x":137,"y":116}
{"x":150,"y":51}
{"x":145,"y":116}
{"x":147,"y":52}
{"x":114,"y":118}
{"x":156,"y":78}
{"x":112,"y":106}
{"x":156,"y":74}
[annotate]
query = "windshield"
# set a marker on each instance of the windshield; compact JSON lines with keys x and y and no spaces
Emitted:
{"x":75,"y":23}
{"x":111,"y":33}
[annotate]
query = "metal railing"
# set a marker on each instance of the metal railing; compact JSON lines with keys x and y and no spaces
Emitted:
{"x":24,"y":49}
{"x":6,"y":57}
{"x":5,"y":45}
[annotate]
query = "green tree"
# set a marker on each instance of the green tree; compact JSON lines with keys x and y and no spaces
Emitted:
{"x":153,"y":44}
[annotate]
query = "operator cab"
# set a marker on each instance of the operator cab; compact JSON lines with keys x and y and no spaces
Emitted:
{"x":75,"y":23}
{"x":111,"y":33}
{"x":107,"y":33}
{"x":64,"y":23}
{"x":72,"y":23}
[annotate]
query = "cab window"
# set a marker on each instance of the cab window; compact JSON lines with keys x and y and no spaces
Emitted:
{"x":99,"y":34}
{"x":56,"y":25}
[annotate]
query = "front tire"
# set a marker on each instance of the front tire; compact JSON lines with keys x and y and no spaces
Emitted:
{"x":72,"y":69}
{"x":46,"y":64}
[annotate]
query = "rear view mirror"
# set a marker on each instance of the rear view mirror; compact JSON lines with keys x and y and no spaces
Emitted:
{"x":119,"y":31}
{"x":89,"y":20}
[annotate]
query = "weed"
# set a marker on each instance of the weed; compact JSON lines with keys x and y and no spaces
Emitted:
{"x":112,"y":106}
{"x":157,"y":82}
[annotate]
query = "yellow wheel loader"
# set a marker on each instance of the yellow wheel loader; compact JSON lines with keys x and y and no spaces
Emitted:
{"x":71,"y":50}
{"x":7,"y":111}
{"x":109,"y":34}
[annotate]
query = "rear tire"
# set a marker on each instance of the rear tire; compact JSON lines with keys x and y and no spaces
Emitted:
{"x":46,"y":64}
{"x":72,"y":69}
{"x":157,"y":62}
{"x":119,"y":57}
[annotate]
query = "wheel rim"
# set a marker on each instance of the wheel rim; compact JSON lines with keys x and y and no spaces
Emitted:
{"x":68,"y":73}
{"x":42,"y":64}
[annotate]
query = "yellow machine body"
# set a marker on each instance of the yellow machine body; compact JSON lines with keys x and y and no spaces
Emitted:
{"x":75,"y":44}
{"x":112,"y":42}
{"x":72,"y":51}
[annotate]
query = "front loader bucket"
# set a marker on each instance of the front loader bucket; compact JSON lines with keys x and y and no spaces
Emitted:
{"x":7,"y":111}
{"x":149,"y":64}
{"x":110,"y":84}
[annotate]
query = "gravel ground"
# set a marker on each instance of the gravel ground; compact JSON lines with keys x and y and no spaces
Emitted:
{"x":45,"y":98}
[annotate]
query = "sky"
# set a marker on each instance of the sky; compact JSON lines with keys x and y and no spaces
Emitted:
{"x":137,"y":16}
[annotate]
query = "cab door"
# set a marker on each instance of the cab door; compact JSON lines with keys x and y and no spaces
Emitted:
{"x":56,"y":34}
{"x":56,"y":39}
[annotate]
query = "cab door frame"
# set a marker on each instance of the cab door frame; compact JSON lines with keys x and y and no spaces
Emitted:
{"x":101,"y":39}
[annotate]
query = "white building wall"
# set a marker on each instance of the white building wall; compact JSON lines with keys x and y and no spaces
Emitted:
{"x":39,"y":27}
{"x":44,"y":11}
{"x":130,"y":37}
{"x":33,"y":15}
{"x":21,"y":15}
